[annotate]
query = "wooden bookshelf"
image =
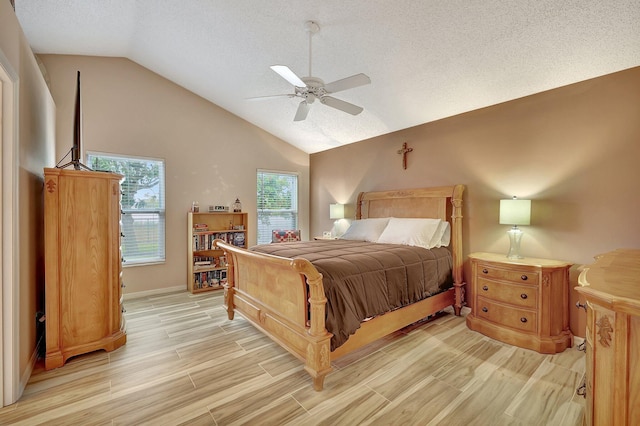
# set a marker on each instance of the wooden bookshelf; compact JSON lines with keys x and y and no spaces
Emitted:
{"x":207,"y":267}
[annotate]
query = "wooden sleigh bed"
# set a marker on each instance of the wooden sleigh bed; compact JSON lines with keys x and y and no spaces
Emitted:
{"x":285,"y":298}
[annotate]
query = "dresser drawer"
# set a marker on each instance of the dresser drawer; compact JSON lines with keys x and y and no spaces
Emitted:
{"x":524,"y":296}
{"x":489,"y":271}
{"x":516,"y":318}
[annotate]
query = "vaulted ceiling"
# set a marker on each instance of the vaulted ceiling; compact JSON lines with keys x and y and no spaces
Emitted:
{"x":426,"y":59}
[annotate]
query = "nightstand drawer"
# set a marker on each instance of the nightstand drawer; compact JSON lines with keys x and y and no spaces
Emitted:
{"x":520,"y":319}
{"x":513,"y":275}
{"x":518,"y":295}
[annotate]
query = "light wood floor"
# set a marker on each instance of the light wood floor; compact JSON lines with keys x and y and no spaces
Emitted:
{"x":185,"y":363}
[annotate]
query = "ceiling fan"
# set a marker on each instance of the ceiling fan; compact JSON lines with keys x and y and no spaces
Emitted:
{"x":312,"y":88}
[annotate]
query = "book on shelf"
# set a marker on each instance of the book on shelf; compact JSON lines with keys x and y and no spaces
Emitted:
{"x":201,"y":268}
{"x":205,"y":242}
{"x":238,"y":239}
{"x":206,"y":279}
{"x":200,"y":227}
{"x":208,"y":262}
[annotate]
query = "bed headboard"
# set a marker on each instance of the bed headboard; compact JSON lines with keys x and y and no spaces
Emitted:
{"x":444,"y":202}
{"x":422,"y":202}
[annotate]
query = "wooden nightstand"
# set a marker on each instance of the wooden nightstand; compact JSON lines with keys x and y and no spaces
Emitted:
{"x":523,"y":302}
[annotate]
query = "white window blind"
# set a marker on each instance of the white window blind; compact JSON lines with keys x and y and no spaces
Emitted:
{"x":277,"y":203}
{"x":143,"y":205}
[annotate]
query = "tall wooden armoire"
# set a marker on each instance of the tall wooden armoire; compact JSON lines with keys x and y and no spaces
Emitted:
{"x":83,"y":264}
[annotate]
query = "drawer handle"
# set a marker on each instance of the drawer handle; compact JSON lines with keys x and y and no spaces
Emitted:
{"x":484,"y":309}
{"x":485,"y":271}
{"x":485,"y":288}
{"x":523,"y":320}
{"x":524,"y":277}
{"x":523,"y":296}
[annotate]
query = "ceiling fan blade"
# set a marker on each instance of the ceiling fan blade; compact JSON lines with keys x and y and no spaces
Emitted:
{"x":347,"y":83}
{"x":341,"y":105}
{"x":263,"y":98}
{"x":288,"y":75}
{"x":303,"y":110}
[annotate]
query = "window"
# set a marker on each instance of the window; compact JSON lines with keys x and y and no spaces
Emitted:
{"x":277,"y":203}
{"x":143,"y":218}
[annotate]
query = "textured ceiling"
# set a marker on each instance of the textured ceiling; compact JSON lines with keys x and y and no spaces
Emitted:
{"x":426,"y":59}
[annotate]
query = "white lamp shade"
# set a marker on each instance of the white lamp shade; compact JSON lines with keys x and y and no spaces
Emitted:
{"x":515,"y":212}
{"x":336,"y":211}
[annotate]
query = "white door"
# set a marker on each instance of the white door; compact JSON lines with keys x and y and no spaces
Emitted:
{"x":9,"y":374}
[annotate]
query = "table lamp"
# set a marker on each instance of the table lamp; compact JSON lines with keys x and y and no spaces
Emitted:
{"x":336,"y":211}
{"x":515,"y":212}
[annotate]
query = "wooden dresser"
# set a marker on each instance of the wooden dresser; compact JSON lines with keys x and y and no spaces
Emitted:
{"x":611,"y":287}
{"x":523,"y":302}
{"x":83,"y":266}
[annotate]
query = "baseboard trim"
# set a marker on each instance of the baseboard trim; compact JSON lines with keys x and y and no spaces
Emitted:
{"x":154,"y":292}
{"x":24,"y":379}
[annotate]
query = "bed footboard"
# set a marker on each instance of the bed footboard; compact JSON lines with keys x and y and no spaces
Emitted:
{"x":271,"y":293}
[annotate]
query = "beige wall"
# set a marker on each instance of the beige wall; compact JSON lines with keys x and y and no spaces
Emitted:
{"x":22,"y":182}
{"x":210,"y":154}
{"x":574,"y":151}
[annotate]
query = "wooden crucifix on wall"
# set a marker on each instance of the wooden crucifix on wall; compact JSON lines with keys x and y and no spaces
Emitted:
{"x":404,"y":151}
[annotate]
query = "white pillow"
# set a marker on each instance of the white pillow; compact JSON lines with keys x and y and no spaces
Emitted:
{"x":365,"y":229}
{"x":442,"y":237}
{"x":425,"y":233}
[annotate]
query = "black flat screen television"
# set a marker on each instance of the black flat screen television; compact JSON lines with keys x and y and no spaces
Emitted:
{"x":76,"y":148}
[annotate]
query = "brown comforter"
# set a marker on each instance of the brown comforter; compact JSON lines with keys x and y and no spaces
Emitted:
{"x":363,"y":279}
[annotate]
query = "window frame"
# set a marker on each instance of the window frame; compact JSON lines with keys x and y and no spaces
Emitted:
{"x":295,"y":212}
{"x":160,"y":211}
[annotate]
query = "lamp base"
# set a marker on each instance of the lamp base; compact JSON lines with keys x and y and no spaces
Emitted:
{"x":339,"y":228}
{"x":515,"y":236}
